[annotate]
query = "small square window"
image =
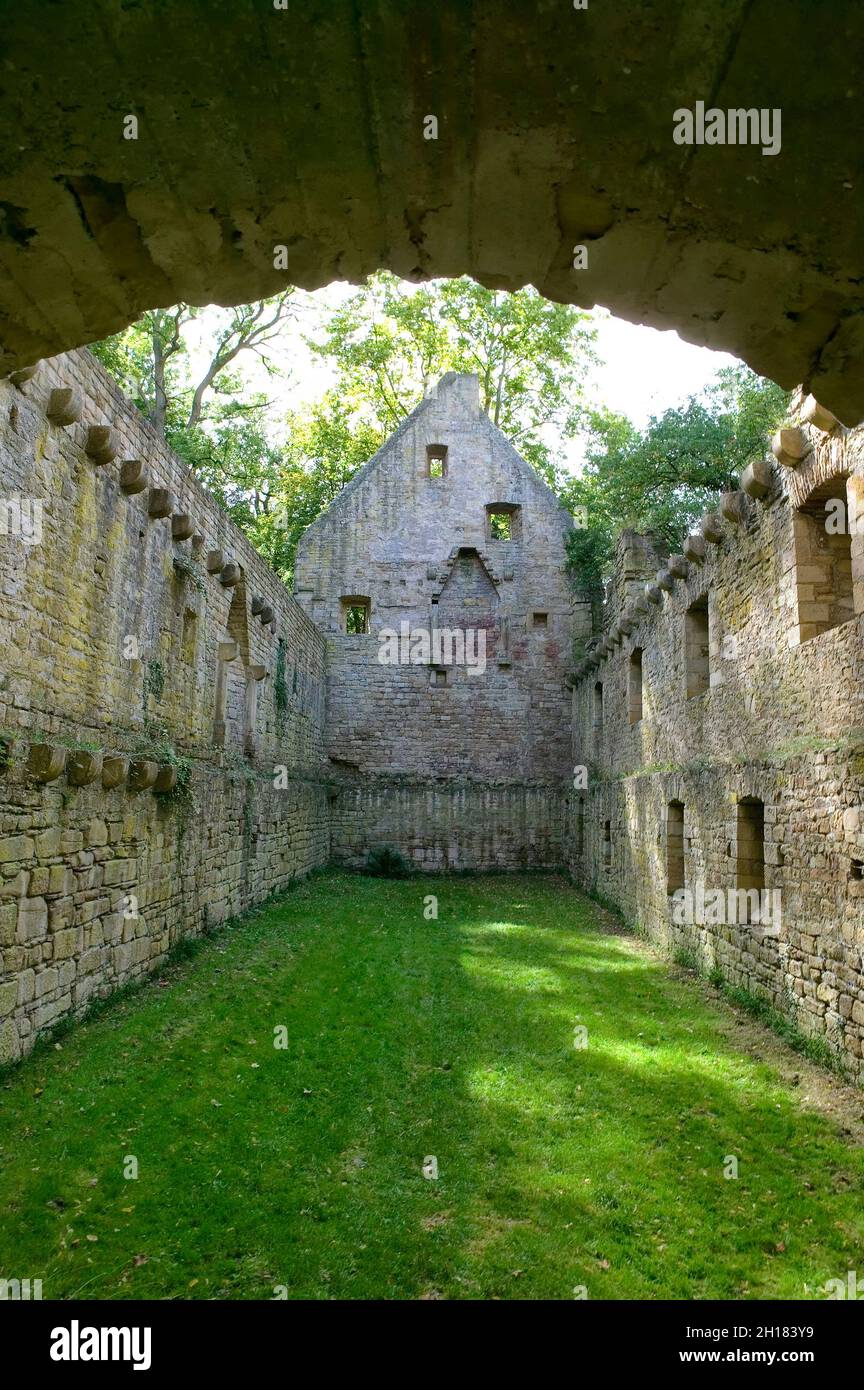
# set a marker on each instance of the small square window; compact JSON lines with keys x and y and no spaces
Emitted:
{"x":439,"y":678}
{"x":436,"y":460}
{"x":502,"y":521}
{"x":541,"y":619}
{"x":355,"y":614}
{"x":855,"y":871}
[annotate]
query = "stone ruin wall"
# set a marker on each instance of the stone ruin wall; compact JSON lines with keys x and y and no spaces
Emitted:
{"x":781,"y":723}
{"x":228,"y":665}
{"x":459,"y":776}
{"x":467,"y":773}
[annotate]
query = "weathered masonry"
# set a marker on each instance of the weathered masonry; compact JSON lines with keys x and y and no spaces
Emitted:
{"x":730,"y":755}
{"x":555,"y":132}
{"x":179,"y":736}
{"x":446,"y":531}
{"x":166,"y":759}
{"x":153,"y":673}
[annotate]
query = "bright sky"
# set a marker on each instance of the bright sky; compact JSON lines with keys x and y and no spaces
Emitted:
{"x":643,"y":372}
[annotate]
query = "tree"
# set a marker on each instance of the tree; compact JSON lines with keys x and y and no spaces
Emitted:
{"x":664,"y":477}
{"x":151,"y":362}
{"x":390,"y":342}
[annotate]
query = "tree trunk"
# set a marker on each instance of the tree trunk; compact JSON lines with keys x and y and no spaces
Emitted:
{"x":160,"y":400}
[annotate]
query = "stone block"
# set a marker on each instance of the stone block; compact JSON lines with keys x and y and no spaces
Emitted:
{"x":10,"y":1048}
{"x":101,"y":444}
{"x":8,"y":997}
{"x":65,"y":405}
{"x":694,"y":549}
{"x":166,"y":779}
{"x":15,"y":848}
{"x":789,"y":447}
{"x":160,"y":503}
{"x":46,"y":762}
{"x":120,"y":872}
{"x":812,"y":413}
{"x":182,"y":526}
{"x":97,"y":832}
{"x":83,"y":766}
{"x":712,"y":528}
{"x":32,"y":919}
{"x":115,"y":770}
{"x":733,"y":507}
{"x":24,"y":374}
{"x":142,"y":774}
{"x":134,"y":476}
{"x":757,"y":478}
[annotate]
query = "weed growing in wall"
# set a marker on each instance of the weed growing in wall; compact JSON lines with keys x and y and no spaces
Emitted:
{"x":188,"y":570}
{"x":154,"y":681}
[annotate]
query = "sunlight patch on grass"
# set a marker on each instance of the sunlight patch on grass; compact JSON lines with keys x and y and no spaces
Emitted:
{"x":303,"y":1166}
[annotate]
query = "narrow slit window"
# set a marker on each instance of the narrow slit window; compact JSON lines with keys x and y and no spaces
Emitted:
{"x":607,"y":844}
{"x":674,"y":846}
{"x":598,"y":709}
{"x":696,"y":648}
{"x":750,"y":855}
{"x":634,"y":686}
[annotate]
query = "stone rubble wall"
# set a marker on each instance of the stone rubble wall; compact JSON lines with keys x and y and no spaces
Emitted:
{"x":87,"y":840}
{"x":444,"y":824}
{"x":782,"y":722}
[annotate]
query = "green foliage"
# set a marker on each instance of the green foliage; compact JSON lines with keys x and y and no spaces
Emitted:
{"x":155,"y":745}
{"x":77,"y":744}
{"x":154,"y":680}
{"x":589,"y":552}
{"x":390,"y":342}
{"x":386,"y":862}
{"x":386,"y":346}
{"x":663,"y":478}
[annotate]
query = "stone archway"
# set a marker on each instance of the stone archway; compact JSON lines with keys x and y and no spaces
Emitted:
{"x":553,"y":131}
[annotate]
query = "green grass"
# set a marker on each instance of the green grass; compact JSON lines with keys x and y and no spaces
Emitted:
{"x":558,"y":1166}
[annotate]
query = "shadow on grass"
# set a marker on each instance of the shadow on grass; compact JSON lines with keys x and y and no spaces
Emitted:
{"x":262,"y":1166}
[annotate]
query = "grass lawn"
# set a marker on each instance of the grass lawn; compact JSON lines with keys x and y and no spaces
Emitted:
{"x":301,"y":1166}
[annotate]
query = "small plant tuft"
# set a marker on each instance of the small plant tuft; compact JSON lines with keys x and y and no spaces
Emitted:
{"x":386,"y":862}
{"x":686,"y":959}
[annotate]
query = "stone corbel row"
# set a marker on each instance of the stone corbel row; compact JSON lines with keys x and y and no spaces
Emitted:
{"x":789,"y":446}
{"x":66,"y":407}
{"x":48,"y":761}
{"x":229,"y":575}
{"x":756,"y":483}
